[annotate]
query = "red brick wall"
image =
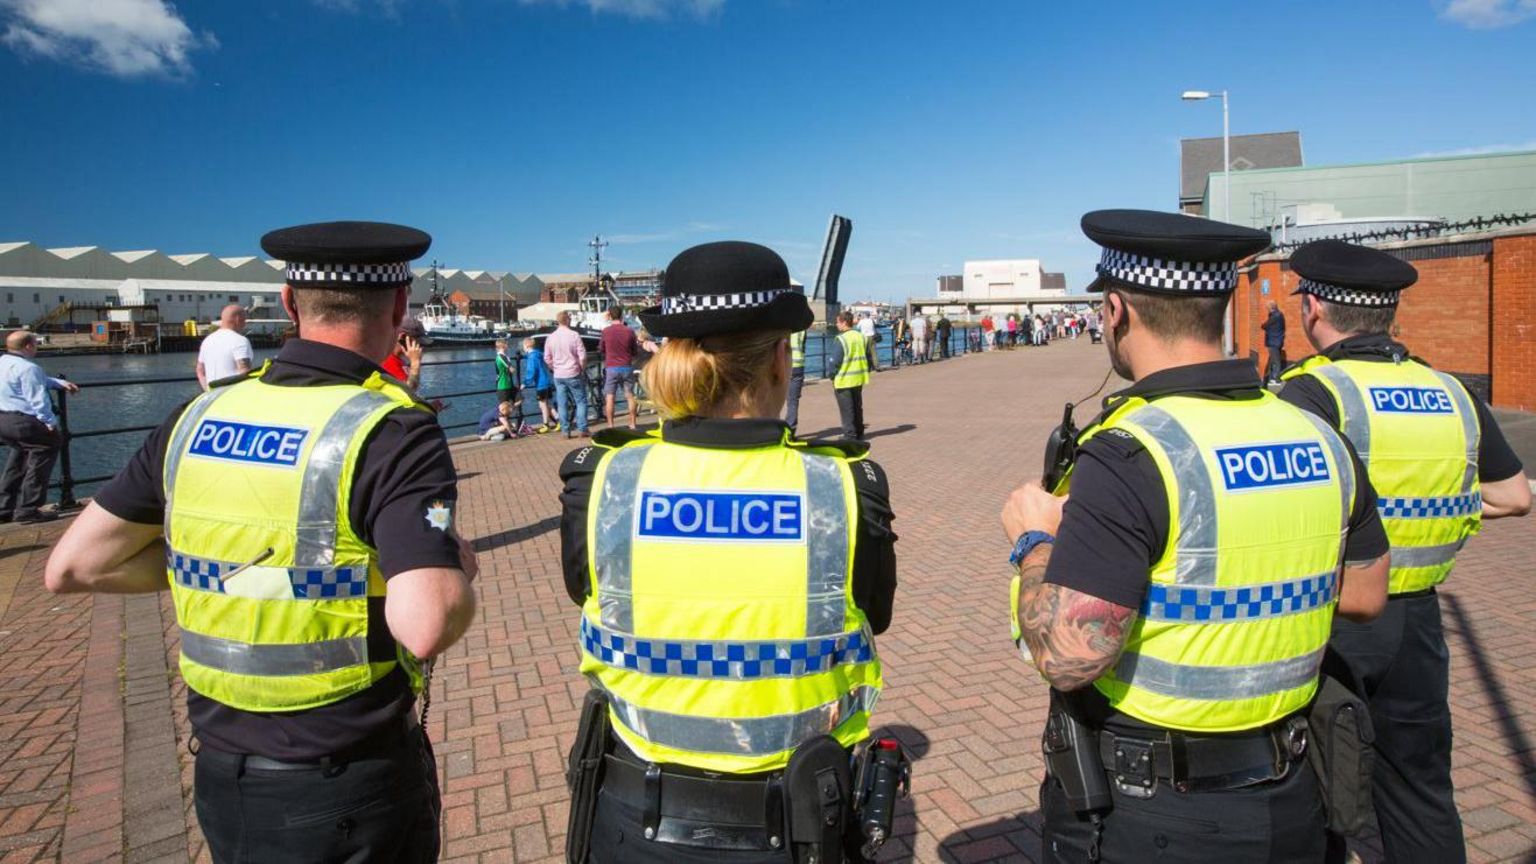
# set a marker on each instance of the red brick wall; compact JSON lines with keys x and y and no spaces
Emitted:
{"x":1473,"y":314}
{"x":1514,"y":322}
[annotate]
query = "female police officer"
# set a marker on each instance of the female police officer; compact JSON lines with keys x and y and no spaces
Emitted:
{"x":730,"y":579}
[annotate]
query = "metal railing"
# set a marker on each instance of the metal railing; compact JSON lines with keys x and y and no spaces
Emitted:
{"x":888,"y":355}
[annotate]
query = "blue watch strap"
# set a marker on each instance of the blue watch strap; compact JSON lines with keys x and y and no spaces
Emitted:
{"x":1027,"y":543}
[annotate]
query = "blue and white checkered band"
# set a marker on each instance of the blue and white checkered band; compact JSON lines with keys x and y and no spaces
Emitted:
{"x":1347,"y":296}
{"x":718,"y":302}
{"x":362,"y":274}
{"x":1188,"y":277}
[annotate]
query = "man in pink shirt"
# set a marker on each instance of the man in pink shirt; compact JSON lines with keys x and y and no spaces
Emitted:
{"x":567,"y":359}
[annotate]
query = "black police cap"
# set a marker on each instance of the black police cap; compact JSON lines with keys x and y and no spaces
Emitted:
{"x":1169,"y":253}
{"x":726,"y":287}
{"x":1351,"y":275}
{"x":347,"y":254}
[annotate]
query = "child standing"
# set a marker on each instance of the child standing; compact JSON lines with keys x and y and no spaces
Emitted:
{"x":536,"y":378}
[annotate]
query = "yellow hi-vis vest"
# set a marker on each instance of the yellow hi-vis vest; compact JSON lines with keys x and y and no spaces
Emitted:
{"x":270,"y":582}
{"x":797,"y":350}
{"x":855,"y":369}
{"x":1232,"y":631}
{"x":720,"y":620}
{"x":1417,"y":433}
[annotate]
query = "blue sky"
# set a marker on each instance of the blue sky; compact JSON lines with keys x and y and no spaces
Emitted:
{"x":513,"y":130}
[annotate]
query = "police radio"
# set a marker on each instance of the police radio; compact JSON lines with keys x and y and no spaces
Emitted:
{"x":1060,"y":450}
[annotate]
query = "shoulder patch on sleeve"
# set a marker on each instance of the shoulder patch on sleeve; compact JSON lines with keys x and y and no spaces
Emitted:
{"x":614,"y":438}
{"x":582,"y":461}
{"x":870,"y":478}
{"x":1114,"y":443}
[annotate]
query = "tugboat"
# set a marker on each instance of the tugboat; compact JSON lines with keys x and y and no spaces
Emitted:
{"x":445,"y":326}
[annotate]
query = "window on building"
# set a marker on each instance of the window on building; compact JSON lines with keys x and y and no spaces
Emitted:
{"x":234,"y":298}
{"x":37,"y":298}
{"x":61,"y":299}
{"x":10,"y":297}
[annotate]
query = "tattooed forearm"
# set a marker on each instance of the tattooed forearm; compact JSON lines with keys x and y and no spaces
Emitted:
{"x":1073,"y":637}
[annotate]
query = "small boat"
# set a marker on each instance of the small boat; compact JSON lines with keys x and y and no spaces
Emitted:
{"x":444,"y":326}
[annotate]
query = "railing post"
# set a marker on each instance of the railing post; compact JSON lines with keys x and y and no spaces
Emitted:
{"x":66,"y":475}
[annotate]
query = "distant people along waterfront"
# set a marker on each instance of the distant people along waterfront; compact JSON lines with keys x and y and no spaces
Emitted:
{"x":29,"y":426}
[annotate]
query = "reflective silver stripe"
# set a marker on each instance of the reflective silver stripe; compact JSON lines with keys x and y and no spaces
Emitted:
{"x":1356,"y":420}
{"x":192,"y":416}
{"x":1217,"y":682}
{"x":1469,"y":428}
{"x":315,"y":543}
{"x":826,"y":565}
{"x":1425,"y":556}
{"x":615,"y":527}
{"x":243,"y":658}
{"x":746,"y":736}
{"x":1195,"y":552}
{"x":1345,"y":468}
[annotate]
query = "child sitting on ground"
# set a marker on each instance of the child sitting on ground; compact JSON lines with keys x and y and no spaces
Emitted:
{"x":503,"y":422}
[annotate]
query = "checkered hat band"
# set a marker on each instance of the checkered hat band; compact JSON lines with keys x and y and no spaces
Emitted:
{"x":362,"y":274}
{"x":718,"y":302}
{"x":1346,"y":296}
{"x":1192,"y":277}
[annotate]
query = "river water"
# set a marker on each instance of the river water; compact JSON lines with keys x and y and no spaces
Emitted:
{"x":107,"y":400}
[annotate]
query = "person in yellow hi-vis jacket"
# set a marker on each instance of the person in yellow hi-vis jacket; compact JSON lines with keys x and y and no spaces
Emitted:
{"x":848,"y":362}
{"x":1180,"y":600}
{"x":303,"y":519}
{"x":1440,"y":466}
{"x":732,"y":580}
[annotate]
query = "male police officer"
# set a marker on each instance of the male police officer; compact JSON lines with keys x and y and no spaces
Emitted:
{"x":1440,"y":464}
{"x":303,"y":520}
{"x":1179,"y":604}
{"x":849,"y":357}
{"x":731,"y":579}
{"x":796,"y":379}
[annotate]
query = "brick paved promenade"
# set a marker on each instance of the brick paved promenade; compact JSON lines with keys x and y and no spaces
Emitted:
{"x":93,"y":762}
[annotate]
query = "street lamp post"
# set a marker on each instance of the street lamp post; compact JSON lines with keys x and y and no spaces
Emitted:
{"x":1226,"y":187}
{"x":1226,"y":148}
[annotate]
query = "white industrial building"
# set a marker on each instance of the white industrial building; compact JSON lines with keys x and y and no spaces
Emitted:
{"x":36,"y":283}
{"x":1001,"y":279}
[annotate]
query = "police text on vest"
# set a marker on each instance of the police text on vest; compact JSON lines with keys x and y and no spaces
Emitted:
{"x":1411,"y":400}
{"x":248,"y":442}
{"x":1258,"y":466}
{"x":757,"y":517}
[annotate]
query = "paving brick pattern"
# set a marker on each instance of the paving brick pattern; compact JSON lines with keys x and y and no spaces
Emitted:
{"x":93,"y":725}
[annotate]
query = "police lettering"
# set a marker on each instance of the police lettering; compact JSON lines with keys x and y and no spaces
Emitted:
{"x":762,"y":517}
{"x":1411,"y":400}
{"x":1262,"y":465}
{"x":247,"y":442}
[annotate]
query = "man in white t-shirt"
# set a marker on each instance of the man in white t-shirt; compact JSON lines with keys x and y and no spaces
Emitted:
{"x":866,"y":326}
{"x":919,"y":326}
{"x":225,"y":352}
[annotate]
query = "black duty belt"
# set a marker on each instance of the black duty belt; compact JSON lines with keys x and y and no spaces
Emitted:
{"x":409,"y":724}
{"x":1191,"y":763}
{"x":717,"y":812}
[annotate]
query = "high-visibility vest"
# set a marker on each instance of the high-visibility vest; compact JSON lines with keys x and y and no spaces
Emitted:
{"x":270,"y":582}
{"x":855,"y":369}
{"x":797,"y":350}
{"x":1418,"y":435}
{"x":720,"y":620}
{"x":1232,"y":630}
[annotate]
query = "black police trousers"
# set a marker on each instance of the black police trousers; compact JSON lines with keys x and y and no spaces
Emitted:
{"x":1280,"y":821}
{"x":1403,"y":667}
{"x":378,"y":809}
{"x":850,"y":410}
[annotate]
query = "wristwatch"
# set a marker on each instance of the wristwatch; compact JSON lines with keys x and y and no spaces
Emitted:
{"x":1027,"y":543}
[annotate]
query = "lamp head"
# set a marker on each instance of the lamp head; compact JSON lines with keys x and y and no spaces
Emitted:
{"x":1195,"y":95}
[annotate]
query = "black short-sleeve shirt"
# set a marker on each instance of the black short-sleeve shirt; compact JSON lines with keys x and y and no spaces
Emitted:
{"x":1115,"y":524}
{"x":1496,"y":460}
{"x":402,"y":470}
{"x":874,"y":555}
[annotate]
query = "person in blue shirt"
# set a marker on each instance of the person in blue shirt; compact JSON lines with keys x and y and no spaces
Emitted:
{"x":501,"y":422}
{"x":1274,"y":343}
{"x":536,"y":378}
{"x":29,"y":426}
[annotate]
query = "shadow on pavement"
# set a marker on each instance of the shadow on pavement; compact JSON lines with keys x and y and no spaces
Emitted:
{"x":998,"y":840}
{"x":894,"y":430}
{"x":516,"y":535}
{"x":1509,"y":724}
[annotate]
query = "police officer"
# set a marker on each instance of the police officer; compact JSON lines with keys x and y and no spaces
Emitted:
{"x":731,"y":579}
{"x":848,"y":356}
{"x":1440,"y":465}
{"x":796,"y":378}
{"x":302,"y":518}
{"x":1180,"y":601}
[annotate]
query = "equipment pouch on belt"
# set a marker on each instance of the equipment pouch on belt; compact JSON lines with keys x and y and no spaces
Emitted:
{"x":584,"y":774}
{"x":819,"y":785}
{"x":1073,"y":758}
{"x":1342,"y":755}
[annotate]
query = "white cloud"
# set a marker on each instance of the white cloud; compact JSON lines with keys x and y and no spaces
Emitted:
{"x":644,"y":8}
{"x":1488,"y":14}
{"x":120,"y":37}
{"x":1477,"y":151}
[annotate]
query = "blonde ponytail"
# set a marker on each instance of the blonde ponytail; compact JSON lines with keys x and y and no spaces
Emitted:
{"x":689,"y":377}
